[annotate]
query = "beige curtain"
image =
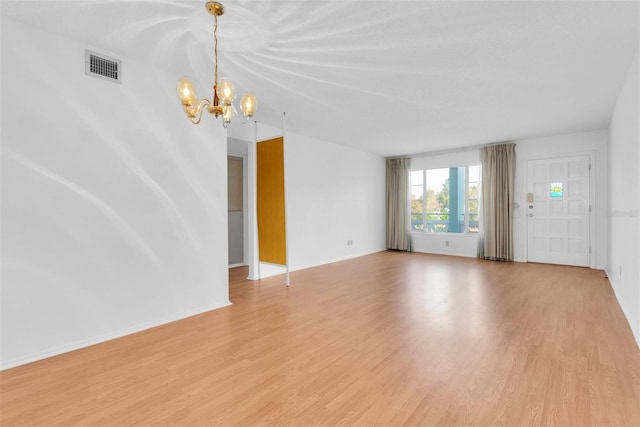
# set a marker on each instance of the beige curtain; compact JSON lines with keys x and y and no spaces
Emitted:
{"x":398,"y":236}
{"x":498,"y":175}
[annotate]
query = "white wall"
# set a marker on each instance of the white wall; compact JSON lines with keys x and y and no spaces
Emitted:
{"x":593,"y":143}
{"x":446,"y":243}
{"x":236,"y":147}
{"x":113,"y":204}
{"x":624,"y":200}
{"x":333,"y":194}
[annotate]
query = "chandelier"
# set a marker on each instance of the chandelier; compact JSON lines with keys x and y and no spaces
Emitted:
{"x":223,"y":91}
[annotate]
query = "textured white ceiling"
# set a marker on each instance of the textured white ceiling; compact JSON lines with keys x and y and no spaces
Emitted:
{"x":391,"y":77}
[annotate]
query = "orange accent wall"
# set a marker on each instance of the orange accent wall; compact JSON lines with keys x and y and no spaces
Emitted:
{"x":270,"y":205}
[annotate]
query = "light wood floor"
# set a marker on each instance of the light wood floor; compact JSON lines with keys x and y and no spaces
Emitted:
{"x":386,"y":339}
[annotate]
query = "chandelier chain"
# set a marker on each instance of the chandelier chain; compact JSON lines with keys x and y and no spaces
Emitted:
{"x":215,"y":53}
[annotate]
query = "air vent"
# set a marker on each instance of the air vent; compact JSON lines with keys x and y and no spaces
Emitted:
{"x":103,"y":67}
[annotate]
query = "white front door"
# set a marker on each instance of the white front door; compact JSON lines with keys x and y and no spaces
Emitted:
{"x":558,"y":210}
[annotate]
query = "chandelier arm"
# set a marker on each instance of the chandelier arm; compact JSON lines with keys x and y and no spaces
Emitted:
{"x":195,"y":119}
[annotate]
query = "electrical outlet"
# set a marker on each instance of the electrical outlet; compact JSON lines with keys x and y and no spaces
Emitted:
{"x":446,"y":243}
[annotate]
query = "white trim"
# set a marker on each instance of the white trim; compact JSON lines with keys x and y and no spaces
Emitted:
{"x":245,"y":208}
{"x":466,"y":199}
{"x":593,"y":213}
{"x":333,"y":260}
{"x":252,"y":250}
{"x":287,"y":240}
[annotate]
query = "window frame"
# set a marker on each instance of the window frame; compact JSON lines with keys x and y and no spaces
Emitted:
{"x":424,"y":212}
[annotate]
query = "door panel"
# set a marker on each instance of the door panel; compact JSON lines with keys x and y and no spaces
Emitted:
{"x":558,"y":216}
{"x":271,"y":201}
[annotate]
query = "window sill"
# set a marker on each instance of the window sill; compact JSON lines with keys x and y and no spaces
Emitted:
{"x":424,"y":233}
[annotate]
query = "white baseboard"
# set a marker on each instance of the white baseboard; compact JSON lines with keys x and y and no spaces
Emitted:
{"x":275,"y":270}
{"x":34,"y":357}
{"x":338,"y":259}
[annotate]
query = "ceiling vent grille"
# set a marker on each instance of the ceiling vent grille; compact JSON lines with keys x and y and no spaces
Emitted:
{"x":103,"y":67}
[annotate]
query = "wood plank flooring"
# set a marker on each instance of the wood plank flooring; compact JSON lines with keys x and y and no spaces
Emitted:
{"x":385,"y":339}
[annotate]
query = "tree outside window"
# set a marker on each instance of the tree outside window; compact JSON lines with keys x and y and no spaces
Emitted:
{"x":445,"y":200}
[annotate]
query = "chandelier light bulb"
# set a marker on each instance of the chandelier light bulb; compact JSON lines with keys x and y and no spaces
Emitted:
{"x":248,"y":104}
{"x":227,"y":113}
{"x":186,"y":92}
{"x":226,"y":91}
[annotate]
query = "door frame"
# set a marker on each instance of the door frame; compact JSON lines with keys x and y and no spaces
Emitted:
{"x":592,"y":199}
{"x":245,"y":216}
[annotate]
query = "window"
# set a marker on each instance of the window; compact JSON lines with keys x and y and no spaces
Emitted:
{"x":445,"y":200}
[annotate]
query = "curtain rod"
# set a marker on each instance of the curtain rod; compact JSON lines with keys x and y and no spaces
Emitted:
{"x":448,"y":151}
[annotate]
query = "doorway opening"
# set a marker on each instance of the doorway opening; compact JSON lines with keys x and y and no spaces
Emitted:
{"x":236,"y":209}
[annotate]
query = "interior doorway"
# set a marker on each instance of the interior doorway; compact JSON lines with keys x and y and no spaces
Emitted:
{"x":558,"y":210}
{"x":236,"y":209}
